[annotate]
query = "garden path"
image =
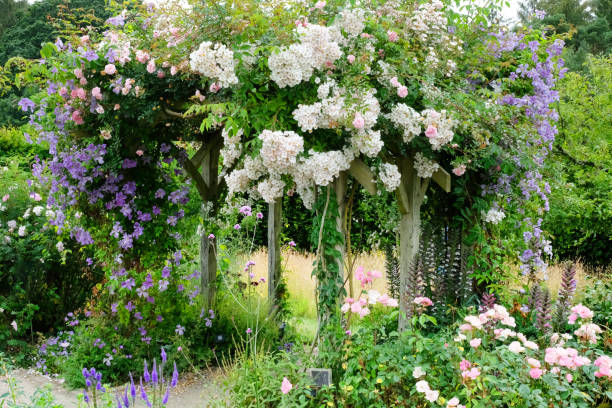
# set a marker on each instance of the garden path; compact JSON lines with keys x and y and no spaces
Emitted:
{"x":192,"y":392}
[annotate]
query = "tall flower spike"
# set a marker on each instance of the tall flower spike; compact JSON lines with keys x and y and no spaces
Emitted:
{"x":166,"y":396}
{"x":163,"y":355}
{"x":566,"y":292}
{"x":132,"y":387}
{"x":146,"y":375}
{"x":534,"y":298}
{"x":126,"y":399}
{"x":487,"y":302}
{"x":154,"y":372}
{"x":143,"y":392}
{"x":544,"y":312}
{"x":174,"y":381}
{"x":119,"y":405}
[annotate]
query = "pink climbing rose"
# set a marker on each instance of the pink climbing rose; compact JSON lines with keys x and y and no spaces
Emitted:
{"x":286,"y":386}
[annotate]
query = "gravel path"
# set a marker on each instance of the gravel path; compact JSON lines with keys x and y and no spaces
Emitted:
{"x":192,"y":392}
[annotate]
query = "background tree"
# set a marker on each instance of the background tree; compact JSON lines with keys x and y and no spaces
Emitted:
{"x":581,"y":209}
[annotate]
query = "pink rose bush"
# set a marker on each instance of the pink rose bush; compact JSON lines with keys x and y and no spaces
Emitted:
{"x":371,"y":297}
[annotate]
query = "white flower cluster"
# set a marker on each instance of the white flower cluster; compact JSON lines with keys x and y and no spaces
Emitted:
{"x":317,"y":49}
{"x":333,"y":112}
{"x":428,"y":19}
{"x":231,"y":147}
{"x":214,"y":61}
{"x":430,"y":26}
{"x":494,"y":216}
{"x":279,"y":150}
{"x":323,"y":167}
{"x":351,"y":21}
{"x":271,"y":189}
{"x":238,"y":180}
{"x":390,"y":176}
{"x":407,"y":119}
{"x":368,"y":142}
{"x":425,"y":168}
{"x":438,"y":127}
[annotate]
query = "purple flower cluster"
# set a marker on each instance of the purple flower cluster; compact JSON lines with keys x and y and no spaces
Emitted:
{"x":537,"y":107}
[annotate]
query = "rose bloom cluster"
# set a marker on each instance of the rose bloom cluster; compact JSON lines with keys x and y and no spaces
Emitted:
{"x":371,"y":297}
{"x":556,"y":357}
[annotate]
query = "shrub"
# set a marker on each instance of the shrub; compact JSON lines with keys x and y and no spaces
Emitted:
{"x":483,"y":364}
{"x":41,"y":279}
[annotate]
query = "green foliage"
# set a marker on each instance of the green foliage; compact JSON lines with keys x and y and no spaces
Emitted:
{"x":39,"y":283}
{"x":34,"y":25}
{"x":597,"y":296}
{"x":330,"y":282}
{"x":581,"y":200}
{"x":13,"y":143}
{"x":378,"y":370}
{"x":587,"y":23}
{"x":256,"y":381}
{"x":9,"y":10}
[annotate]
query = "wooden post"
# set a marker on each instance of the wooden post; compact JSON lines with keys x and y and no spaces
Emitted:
{"x":339,"y":186}
{"x":208,"y":247}
{"x":274,"y":254}
{"x":410,"y":196}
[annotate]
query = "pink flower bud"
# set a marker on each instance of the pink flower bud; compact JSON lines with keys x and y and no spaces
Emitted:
{"x":358,"y":122}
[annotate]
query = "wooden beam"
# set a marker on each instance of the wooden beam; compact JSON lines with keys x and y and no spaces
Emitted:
{"x":443,"y":179}
{"x":362,"y":173}
{"x":195,"y":175}
{"x":199,"y":156}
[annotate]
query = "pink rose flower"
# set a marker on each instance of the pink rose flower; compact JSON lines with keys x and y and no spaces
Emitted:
{"x":535,"y":373}
{"x":459,"y":170}
{"x":151,"y":66}
{"x":475,"y":342}
{"x":423,"y":301}
{"x":76,"y":117}
{"x":286,"y":386}
{"x":63,"y":91}
{"x":350,"y":58}
{"x":110,"y":69}
{"x":395,"y":83}
{"x":97,"y":93}
{"x":358,"y":122}
{"x":392,"y":35}
{"x":402,"y":91}
{"x":431,"y":131}
{"x":320,"y":4}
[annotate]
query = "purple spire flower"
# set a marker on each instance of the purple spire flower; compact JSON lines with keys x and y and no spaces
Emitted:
{"x":166,"y":396}
{"x":154,"y":372}
{"x":174,"y":381}
{"x":147,"y":376}
{"x":163,"y":355}
{"x":132,"y":387}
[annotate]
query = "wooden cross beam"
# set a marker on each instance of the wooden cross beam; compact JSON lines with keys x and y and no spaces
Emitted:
{"x":362,"y":173}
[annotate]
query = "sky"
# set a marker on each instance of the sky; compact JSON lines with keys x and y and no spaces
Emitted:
{"x":511,"y":13}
